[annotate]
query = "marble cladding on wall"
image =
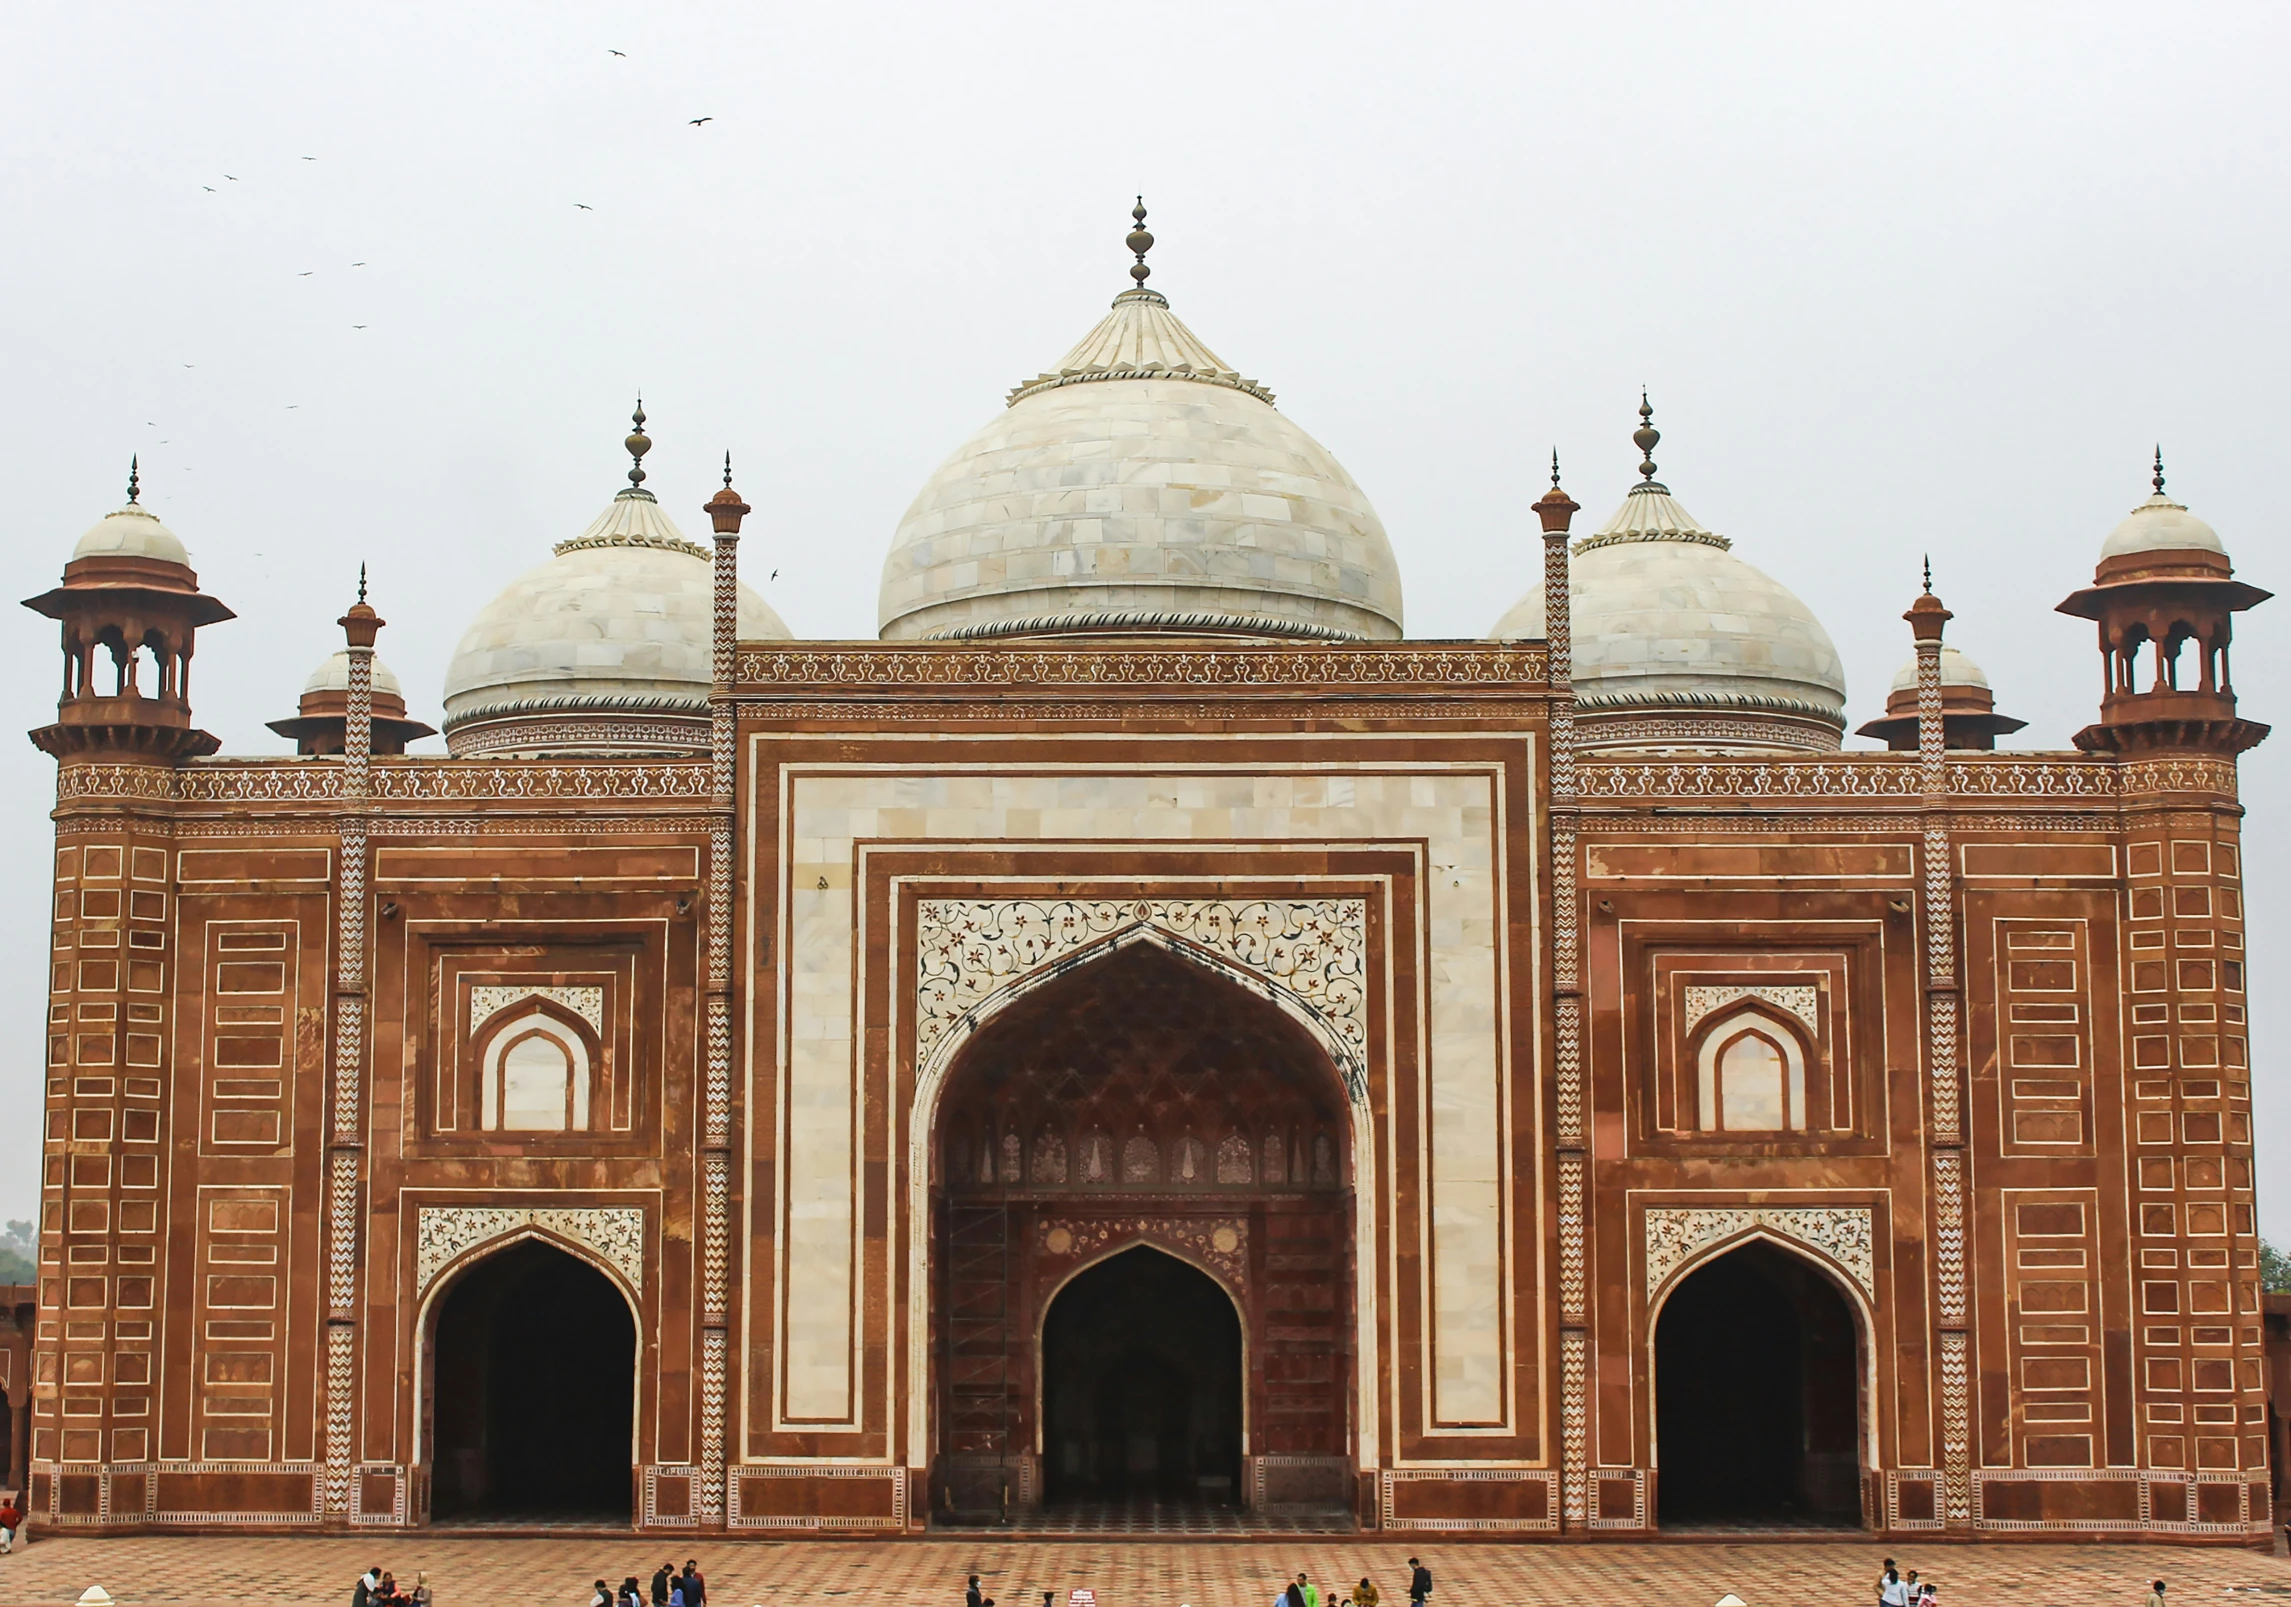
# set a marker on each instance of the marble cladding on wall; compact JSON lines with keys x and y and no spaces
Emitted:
{"x":1452,"y":810}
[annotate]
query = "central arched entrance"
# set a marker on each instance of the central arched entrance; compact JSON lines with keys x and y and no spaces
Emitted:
{"x":1757,"y":1396}
{"x":1141,"y":1384}
{"x":1142,"y":1281}
{"x":534,"y":1394}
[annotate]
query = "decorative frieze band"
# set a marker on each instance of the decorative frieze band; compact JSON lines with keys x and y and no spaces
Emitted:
{"x":487,"y":1002}
{"x":1310,"y":953}
{"x":1842,"y":1234}
{"x":1702,"y":1000}
{"x":931,"y":664}
{"x":444,"y":1233}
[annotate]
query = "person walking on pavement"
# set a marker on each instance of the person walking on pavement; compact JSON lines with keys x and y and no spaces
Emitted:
{"x":11,"y":1519}
{"x":1365,"y":1593}
{"x":1311,"y":1591}
{"x":660,"y":1579}
{"x":695,"y":1584}
{"x":1419,"y":1583}
{"x":1891,"y":1592}
{"x":2156,"y":1596}
{"x":975,"y":1597}
{"x":1292,"y":1595}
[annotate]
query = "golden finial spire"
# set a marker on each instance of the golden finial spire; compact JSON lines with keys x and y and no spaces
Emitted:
{"x":2159,"y":480}
{"x":1645,"y":437}
{"x":638,"y":445}
{"x":134,"y":483}
{"x":1140,"y":241}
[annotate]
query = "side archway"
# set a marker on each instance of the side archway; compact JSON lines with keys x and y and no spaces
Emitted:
{"x":1761,"y":1367}
{"x":529,"y":1387}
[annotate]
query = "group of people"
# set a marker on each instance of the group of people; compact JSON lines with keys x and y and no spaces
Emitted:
{"x":669,"y":1588}
{"x":379,"y":1588}
{"x":1896,"y":1589}
{"x":1302,"y":1592}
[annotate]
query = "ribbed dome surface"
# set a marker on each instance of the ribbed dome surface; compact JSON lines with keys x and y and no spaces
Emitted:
{"x":1142,"y":484}
{"x":618,"y":619}
{"x":1664,"y":617}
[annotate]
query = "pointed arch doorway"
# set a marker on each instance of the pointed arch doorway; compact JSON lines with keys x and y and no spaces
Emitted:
{"x":1758,"y":1407}
{"x":1141,"y":1383}
{"x":1098,"y":1144}
{"x":532,"y":1391}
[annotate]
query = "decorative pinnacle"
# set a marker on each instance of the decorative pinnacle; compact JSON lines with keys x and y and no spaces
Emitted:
{"x":725,"y":510}
{"x":361,"y":624}
{"x":727,"y":471}
{"x":1555,"y":468}
{"x":1645,"y":436}
{"x":1555,"y":507}
{"x":2159,"y":480}
{"x":1928,"y":574}
{"x":638,"y":445}
{"x":361,"y":582}
{"x":1140,"y":241}
{"x":134,"y":485}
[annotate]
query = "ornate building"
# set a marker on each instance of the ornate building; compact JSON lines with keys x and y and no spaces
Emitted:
{"x":1146,"y":1029}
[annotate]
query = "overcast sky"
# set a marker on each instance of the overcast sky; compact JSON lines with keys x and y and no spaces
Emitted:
{"x":379,"y":284}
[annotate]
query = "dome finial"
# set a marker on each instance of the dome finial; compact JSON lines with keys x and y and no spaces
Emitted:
{"x":134,"y":484}
{"x":1645,"y":436}
{"x":1555,"y":468}
{"x":2159,"y":480}
{"x":361,"y":583}
{"x":1928,"y":574}
{"x":638,"y":445}
{"x":727,"y":471}
{"x":1140,"y":241}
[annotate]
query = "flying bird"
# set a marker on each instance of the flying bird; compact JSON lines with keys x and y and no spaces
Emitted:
{"x":310,"y":159}
{"x":209,"y":188}
{"x":612,"y":52}
{"x":305,"y":275}
{"x":233,"y":177}
{"x":697,"y":121}
{"x":357,"y":326}
{"x":190,"y":365}
{"x":584,"y":206}
{"x":357,"y":265}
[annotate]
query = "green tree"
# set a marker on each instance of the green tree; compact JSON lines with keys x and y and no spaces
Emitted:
{"x":18,"y":1253}
{"x":2274,"y":1269}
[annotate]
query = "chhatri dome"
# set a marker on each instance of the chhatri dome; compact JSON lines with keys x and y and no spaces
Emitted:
{"x":1678,"y":644}
{"x":131,"y":530}
{"x":604,"y":648}
{"x":1140,"y":484}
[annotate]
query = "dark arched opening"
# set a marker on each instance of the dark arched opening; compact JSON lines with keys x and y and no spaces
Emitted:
{"x":1141,"y":1393}
{"x":1757,"y":1396}
{"x":535,"y":1391}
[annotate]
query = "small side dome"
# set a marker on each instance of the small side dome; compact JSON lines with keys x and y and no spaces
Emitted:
{"x":1956,"y":670}
{"x":2160,"y":525}
{"x":333,"y":675}
{"x":320,"y":724}
{"x":130,"y":532}
{"x":1969,"y":717}
{"x":1678,"y":644}
{"x":606,"y":648}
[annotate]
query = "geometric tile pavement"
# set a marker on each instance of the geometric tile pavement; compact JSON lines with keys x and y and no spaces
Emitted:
{"x":1128,"y":1571}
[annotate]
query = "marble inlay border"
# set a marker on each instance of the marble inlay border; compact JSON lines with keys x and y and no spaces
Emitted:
{"x":1843,"y":1234}
{"x":444,"y":1233}
{"x":1702,"y":1000}
{"x":487,"y":1002}
{"x":1311,"y":953}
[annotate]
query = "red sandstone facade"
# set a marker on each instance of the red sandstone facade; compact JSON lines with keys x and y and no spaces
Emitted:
{"x":825,"y":988}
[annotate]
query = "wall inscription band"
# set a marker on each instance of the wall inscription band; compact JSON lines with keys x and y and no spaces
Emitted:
{"x":1841,"y":1233}
{"x":444,"y":1233}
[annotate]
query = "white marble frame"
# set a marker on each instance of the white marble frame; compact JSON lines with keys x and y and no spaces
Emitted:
{"x":1451,"y":1045}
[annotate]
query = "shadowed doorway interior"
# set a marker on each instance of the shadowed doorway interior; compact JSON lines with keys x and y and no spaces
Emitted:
{"x":1757,"y":1414}
{"x":1141,"y":1363}
{"x":535,"y":1393}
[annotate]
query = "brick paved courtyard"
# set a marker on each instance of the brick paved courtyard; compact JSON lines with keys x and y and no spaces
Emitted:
{"x":485,"y":1572}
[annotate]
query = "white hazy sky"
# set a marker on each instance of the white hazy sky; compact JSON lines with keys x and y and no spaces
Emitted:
{"x":1901,"y":280}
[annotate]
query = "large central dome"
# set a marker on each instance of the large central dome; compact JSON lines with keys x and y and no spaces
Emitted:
{"x":1142,"y":484}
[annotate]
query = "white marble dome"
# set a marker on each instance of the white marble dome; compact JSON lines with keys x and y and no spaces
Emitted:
{"x":2160,"y":525}
{"x":616,"y":623}
{"x":1141,"y":484}
{"x":333,"y":675}
{"x":1677,"y":642}
{"x":1956,"y":670}
{"x":130,"y":532}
